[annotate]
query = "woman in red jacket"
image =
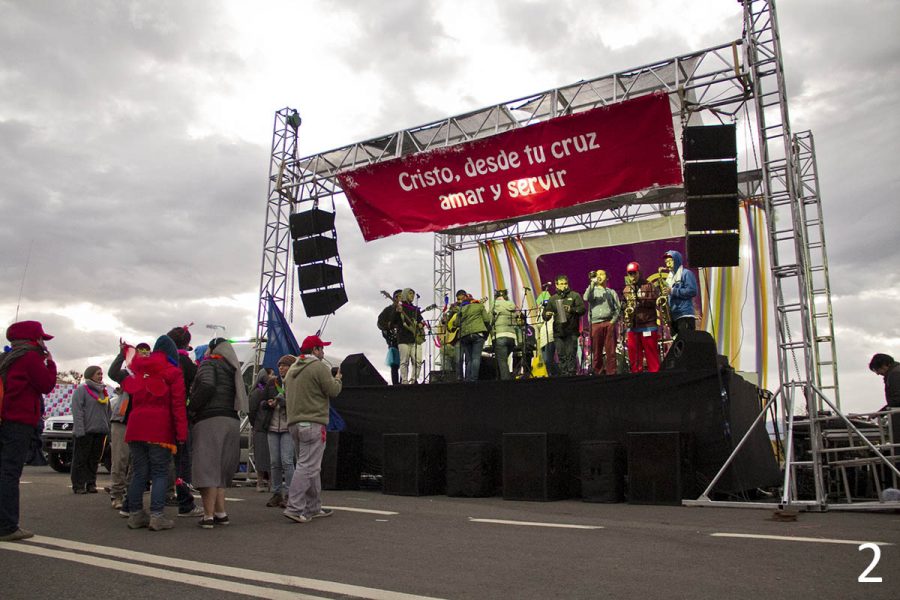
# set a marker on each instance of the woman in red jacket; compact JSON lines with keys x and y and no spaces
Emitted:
{"x":26,"y":372}
{"x":157,"y":424}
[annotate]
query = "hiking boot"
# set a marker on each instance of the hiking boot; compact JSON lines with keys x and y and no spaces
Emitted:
{"x":206,"y":523}
{"x":274,"y":501}
{"x":137,"y":520}
{"x":194,"y":512}
{"x":160,"y":522}
{"x":221,"y":520}
{"x":325,"y":512}
{"x":296,"y":518}
{"x":18,"y":534}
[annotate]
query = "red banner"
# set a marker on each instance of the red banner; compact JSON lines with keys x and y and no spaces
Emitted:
{"x":562,"y":162}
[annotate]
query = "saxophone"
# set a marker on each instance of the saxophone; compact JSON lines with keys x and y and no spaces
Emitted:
{"x":662,"y":303}
{"x":630,"y":295}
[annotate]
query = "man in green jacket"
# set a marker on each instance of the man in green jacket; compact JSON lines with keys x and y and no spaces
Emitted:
{"x":308,"y":388}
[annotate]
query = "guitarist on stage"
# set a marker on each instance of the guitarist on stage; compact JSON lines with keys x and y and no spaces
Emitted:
{"x":410,"y":326}
{"x":389,"y":332}
{"x":470,"y":320}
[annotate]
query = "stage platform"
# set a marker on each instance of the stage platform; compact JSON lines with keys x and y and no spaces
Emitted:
{"x":715,"y":407}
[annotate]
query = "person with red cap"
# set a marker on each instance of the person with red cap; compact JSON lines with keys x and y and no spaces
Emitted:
{"x":27,"y":371}
{"x":642,"y":338}
{"x":308,"y":388}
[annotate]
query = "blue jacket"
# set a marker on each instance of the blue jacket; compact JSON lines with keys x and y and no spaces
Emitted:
{"x":683,"y":288}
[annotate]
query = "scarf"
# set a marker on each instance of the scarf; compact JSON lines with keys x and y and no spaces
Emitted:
{"x":97,"y":391}
{"x":18,"y":349}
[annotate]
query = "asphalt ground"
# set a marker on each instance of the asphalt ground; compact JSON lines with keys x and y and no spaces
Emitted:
{"x":380,"y":546}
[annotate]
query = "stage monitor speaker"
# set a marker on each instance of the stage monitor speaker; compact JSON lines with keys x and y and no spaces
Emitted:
{"x":713,"y":249}
{"x":323,"y":302}
{"x":660,"y":467}
{"x":692,"y":350}
{"x":314,"y":249}
{"x":535,"y":466}
{"x":442,"y":377}
{"x":710,"y":178}
{"x":356,"y":370}
{"x":488,"y":369}
{"x":311,"y":222}
{"x":342,"y":461}
{"x":414,"y":464}
{"x":709,"y":142}
{"x":602,"y":467}
{"x":704,"y":213}
{"x":473,"y":469}
{"x":319,"y":275}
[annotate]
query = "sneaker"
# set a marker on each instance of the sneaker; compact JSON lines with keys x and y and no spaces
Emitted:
{"x":221,"y":520}
{"x":205,"y":523}
{"x":124,"y":513}
{"x":274,"y":501}
{"x":296,"y":518}
{"x":79,"y":491}
{"x":18,"y":534}
{"x":194,"y":512}
{"x":160,"y":522}
{"x":116,"y":504}
{"x":325,"y":512}
{"x":137,"y":520}
{"x":262,"y":487}
{"x":92,"y":488}
{"x":172,"y":501}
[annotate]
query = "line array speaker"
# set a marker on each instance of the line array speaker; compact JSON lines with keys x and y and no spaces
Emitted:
{"x":710,"y":142}
{"x":319,"y":275}
{"x":713,"y":249}
{"x":311,"y":222}
{"x":323,"y":302}
{"x":314,"y":249}
{"x":707,"y":213}
{"x":710,"y":178}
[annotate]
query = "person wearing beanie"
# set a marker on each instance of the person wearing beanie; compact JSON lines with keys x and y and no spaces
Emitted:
{"x":90,"y":428}
{"x":156,"y":426}
{"x":27,"y":371}
{"x":186,"y":506}
{"x":218,"y":395}
{"x":281,"y":446}
{"x":387,"y":326}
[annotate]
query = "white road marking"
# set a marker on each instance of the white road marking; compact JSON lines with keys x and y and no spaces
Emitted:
{"x":787,"y":538}
{"x":196,"y":580}
{"x":533,"y":524}
{"x":227,"y":499}
{"x":371,"y":511}
{"x":319,"y":585}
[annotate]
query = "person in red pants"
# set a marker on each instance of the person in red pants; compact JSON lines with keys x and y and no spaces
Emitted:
{"x":642,"y":337}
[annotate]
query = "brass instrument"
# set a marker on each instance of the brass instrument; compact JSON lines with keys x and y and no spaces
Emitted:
{"x":630,"y":295}
{"x":662,"y":303}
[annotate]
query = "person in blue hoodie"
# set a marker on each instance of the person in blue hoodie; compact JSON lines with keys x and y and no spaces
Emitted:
{"x":682,"y":286}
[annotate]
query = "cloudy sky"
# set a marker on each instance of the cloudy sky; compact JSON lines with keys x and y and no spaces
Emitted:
{"x":134,"y":144}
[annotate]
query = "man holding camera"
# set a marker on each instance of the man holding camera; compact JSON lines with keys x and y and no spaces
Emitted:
{"x":605,"y":310}
{"x":565,"y":307}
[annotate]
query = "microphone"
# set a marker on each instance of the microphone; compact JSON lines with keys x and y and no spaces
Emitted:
{"x":527,"y":289}
{"x":546,"y":285}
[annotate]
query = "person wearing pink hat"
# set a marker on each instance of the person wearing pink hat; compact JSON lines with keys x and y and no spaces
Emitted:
{"x":27,"y":371}
{"x":308,"y":387}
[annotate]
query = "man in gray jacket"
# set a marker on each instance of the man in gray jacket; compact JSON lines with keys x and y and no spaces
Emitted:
{"x":605,"y":311}
{"x":308,"y":389}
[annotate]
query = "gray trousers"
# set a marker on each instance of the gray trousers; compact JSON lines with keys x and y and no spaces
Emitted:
{"x":304,"y":495}
{"x":120,"y":456}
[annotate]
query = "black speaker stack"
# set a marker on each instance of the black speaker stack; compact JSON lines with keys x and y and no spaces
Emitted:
{"x":535,"y":466}
{"x":711,"y":196}
{"x":342,"y":461}
{"x":414,"y":464}
{"x":319,"y":270}
{"x":660,"y":467}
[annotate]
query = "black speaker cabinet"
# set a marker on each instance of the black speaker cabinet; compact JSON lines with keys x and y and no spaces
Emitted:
{"x":705,"y":213}
{"x":311,"y":222}
{"x":710,"y":178}
{"x":713,"y":249}
{"x":314,"y":249}
{"x":414,"y":464}
{"x":319,"y":275}
{"x":342,"y":461}
{"x":323,"y":302}
{"x":602,"y":471}
{"x":356,"y":370}
{"x":660,"y":467}
{"x":488,"y":369}
{"x":692,"y":350}
{"x":473,"y":469}
{"x":709,"y":142}
{"x":535,"y":466}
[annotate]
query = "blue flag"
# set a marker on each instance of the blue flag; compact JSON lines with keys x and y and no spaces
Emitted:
{"x":280,"y":340}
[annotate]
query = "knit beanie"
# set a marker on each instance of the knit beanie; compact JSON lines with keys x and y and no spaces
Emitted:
{"x":287,"y":359}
